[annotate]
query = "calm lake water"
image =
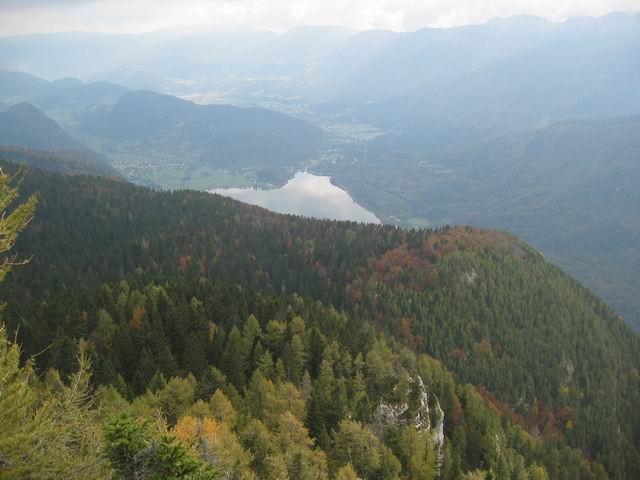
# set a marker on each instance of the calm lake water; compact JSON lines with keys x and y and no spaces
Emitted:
{"x":305,"y":194}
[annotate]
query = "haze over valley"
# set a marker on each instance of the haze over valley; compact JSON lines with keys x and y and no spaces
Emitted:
{"x":521,"y":123}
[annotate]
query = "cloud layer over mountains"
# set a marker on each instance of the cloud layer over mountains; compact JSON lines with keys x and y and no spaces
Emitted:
{"x":135,"y":16}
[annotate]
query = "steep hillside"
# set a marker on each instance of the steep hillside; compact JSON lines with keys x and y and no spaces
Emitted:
{"x":24,"y":125}
{"x":170,"y":142}
{"x":149,"y":116}
{"x":79,"y":98}
{"x":72,"y":162}
{"x":160,"y":140}
{"x":248,"y":385}
{"x":29,"y":137}
{"x":569,"y":188}
{"x":542,"y":349}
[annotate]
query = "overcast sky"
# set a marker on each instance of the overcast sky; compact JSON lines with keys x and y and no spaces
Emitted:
{"x":135,"y":16}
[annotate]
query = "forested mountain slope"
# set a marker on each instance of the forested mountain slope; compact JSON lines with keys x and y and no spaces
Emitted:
{"x":222,"y":134}
{"x":164,"y":141}
{"x":28,"y":136}
{"x":69,"y":162}
{"x":158,"y":140}
{"x":206,"y":381}
{"x":570,"y":188}
{"x":24,"y":125}
{"x":542,"y":349}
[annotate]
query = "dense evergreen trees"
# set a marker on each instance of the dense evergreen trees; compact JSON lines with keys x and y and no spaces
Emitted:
{"x":268,"y":425}
{"x":274,"y":345}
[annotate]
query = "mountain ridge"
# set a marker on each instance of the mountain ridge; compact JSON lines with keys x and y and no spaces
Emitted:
{"x":25,"y":125}
{"x":567,"y":187}
{"x":455,"y":293}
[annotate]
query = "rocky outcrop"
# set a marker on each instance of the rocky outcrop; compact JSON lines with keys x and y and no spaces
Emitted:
{"x":425,"y":418}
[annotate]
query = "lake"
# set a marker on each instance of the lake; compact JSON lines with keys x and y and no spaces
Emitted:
{"x":305,"y":194}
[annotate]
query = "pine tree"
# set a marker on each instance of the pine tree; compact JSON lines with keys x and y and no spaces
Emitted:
{"x":145,"y":371}
{"x":296,"y":359}
{"x":212,"y":380}
{"x":235,"y":358}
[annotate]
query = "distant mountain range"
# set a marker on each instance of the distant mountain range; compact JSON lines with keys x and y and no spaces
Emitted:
{"x":156,"y":139}
{"x":520,"y":123}
{"x":584,"y":69}
{"x":324,"y":64}
{"x":23,"y":85}
{"x":432,"y":87}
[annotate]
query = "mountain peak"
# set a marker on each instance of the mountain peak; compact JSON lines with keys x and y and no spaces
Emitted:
{"x":25,"y":113}
{"x":25,"y":125}
{"x":522,"y":20}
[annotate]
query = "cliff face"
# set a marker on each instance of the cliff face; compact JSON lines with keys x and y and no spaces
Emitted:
{"x":420,"y":409}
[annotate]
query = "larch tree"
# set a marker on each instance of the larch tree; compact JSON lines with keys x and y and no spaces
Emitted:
{"x":14,"y":218}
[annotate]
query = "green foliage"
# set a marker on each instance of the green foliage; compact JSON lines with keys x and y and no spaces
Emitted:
{"x":135,"y":453}
{"x":358,"y":445}
{"x":13,"y":219}
{"x":421,"y":454}
{"x":68,"y":162}
{"x":576,"y":200}
{"x":177,"y":395}
{"x":196,"y":307}
{"x":124,"y":439}
{"x":263,"y":427}
{"x":47,"y":431}
{"x":173,"y":462}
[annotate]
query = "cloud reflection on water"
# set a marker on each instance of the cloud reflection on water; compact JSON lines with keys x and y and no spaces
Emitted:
{"x":305,"y":194}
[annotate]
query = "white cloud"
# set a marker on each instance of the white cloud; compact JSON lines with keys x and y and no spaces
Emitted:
{"x":27,"y":16}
